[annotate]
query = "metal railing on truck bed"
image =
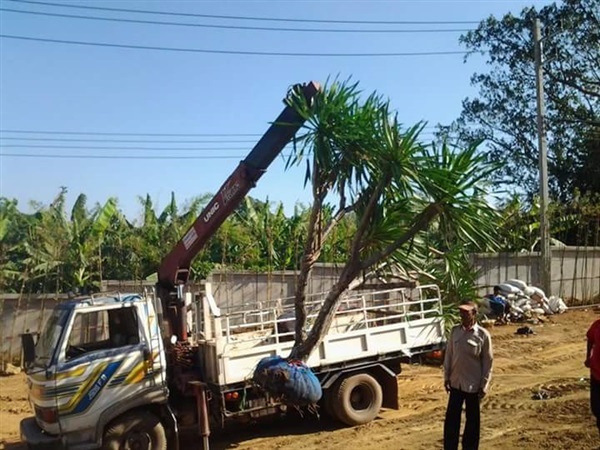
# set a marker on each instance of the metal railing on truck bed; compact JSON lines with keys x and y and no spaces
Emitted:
{"x":365,"y":324}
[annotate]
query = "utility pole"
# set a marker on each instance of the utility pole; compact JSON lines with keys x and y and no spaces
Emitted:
{"x":546,"y":252}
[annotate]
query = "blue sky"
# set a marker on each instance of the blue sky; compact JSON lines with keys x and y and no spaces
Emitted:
{"x":71,"y":88}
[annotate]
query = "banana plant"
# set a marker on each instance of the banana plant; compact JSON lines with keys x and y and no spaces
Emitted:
{"x":87,"y":232}
{"x":10,"y":244}
{"x":64,"y":251}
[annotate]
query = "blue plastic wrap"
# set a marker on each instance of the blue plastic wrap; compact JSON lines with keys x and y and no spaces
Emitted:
{"x":292,"y":381}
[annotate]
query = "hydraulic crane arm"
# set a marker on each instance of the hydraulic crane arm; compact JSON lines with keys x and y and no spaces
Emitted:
{"x":174,"y":268}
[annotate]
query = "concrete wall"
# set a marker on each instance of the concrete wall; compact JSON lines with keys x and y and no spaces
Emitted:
{"x":575,"y":271}
{"x":20,"y":314}
{"x":575,"y":278}
{"x":25,"y":313}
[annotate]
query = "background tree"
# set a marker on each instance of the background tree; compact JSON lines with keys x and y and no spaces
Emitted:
{"x":122,"y":250}
{"x":573,"y":223}
{"x":86,"y":230}
{"x":52,"y":251}
{"x":504,"y":111}
{"x":47,"y":246}
{"x":14,"y":227}
{"x":157,"y":234}
{"x":63,"y":252}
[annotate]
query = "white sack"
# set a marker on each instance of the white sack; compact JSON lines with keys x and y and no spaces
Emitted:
{"x":522,"y":302}
{"x":557,"y":305}
{"x":509,"y":289}
{"x":528,"y":291}
{"x":538,"y":291}
{"x":517,"y":283}
{"x":526,"y":307}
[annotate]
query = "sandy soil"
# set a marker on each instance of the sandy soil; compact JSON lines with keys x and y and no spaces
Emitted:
{"x":550,"y":361}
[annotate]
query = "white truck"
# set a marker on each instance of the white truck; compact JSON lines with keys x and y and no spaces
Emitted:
{"x":131,"y":372}
{"x":101,"y":377}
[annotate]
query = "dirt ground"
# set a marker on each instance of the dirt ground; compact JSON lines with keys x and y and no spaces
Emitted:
{"x":550,"y":362}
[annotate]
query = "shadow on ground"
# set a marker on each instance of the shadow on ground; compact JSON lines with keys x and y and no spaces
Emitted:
{"x":291,"y":425}
{"x":13,"y":446}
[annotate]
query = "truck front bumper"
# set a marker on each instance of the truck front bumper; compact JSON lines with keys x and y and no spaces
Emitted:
{"x":36,"y":438}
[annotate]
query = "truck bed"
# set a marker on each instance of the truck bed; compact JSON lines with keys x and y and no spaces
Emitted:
{"x":366,"y":324}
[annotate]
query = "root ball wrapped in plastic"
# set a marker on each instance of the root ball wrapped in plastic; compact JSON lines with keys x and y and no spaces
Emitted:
{"x":291,"y":381}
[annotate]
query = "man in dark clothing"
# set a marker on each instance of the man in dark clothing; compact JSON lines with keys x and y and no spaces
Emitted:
{"x":467,"y":375}
{"x":592,"y":360}
{"x":499,"y":304}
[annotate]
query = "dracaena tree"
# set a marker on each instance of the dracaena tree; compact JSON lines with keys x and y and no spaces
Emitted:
{"x":362,"y":163}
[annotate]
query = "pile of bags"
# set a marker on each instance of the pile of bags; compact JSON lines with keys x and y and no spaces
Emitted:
{"x":525,"y":300}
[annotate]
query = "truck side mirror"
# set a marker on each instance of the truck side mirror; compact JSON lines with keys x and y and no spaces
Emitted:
{"x":28,"y":346}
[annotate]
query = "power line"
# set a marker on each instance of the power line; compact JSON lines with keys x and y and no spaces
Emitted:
{"x":229,"y":52}
{"x":51,"y":156}
{"x":126,"y":141}
{"x":427,"y":129}
{"x":150,"y":149}
{"x":96,"y":133}
{"x":234,"y":27}
{"x":77,"y":147}
{"x":268,"y":19}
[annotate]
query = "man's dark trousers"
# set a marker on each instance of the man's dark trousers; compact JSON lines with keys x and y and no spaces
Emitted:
{"x":470,"y":440}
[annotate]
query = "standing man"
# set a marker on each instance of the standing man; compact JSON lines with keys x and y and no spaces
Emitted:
{"x":467,"y":374}
{"x":592,"y":360}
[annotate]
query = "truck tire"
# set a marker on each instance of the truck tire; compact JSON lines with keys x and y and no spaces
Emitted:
{"x":359,"y":399}
{"x":329,"y":402}
{"x":140,"y":429}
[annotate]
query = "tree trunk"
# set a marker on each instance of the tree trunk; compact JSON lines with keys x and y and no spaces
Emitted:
{"x":311,"y":255}
{"x":302,"y":350}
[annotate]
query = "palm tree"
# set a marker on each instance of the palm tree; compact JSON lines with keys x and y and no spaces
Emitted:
{"x":395,"y":188}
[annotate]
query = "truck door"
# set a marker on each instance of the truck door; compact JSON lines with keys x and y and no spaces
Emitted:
{"x":104,"y":362}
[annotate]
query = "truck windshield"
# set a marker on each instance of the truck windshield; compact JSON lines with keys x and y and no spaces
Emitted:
{"x":46,"y":345}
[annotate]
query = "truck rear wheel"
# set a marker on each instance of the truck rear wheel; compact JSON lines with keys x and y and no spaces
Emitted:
{"x":139,"y":430}
{"x":359,"y":399}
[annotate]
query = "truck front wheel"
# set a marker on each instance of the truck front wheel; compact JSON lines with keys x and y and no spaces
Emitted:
{"x":359,"y":399}
{"x":136,"y":430}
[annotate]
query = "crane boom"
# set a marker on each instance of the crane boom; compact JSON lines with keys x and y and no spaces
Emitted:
{"x":174,"y":269}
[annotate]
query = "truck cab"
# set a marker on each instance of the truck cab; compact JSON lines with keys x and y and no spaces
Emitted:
{"x":95,"y":360}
